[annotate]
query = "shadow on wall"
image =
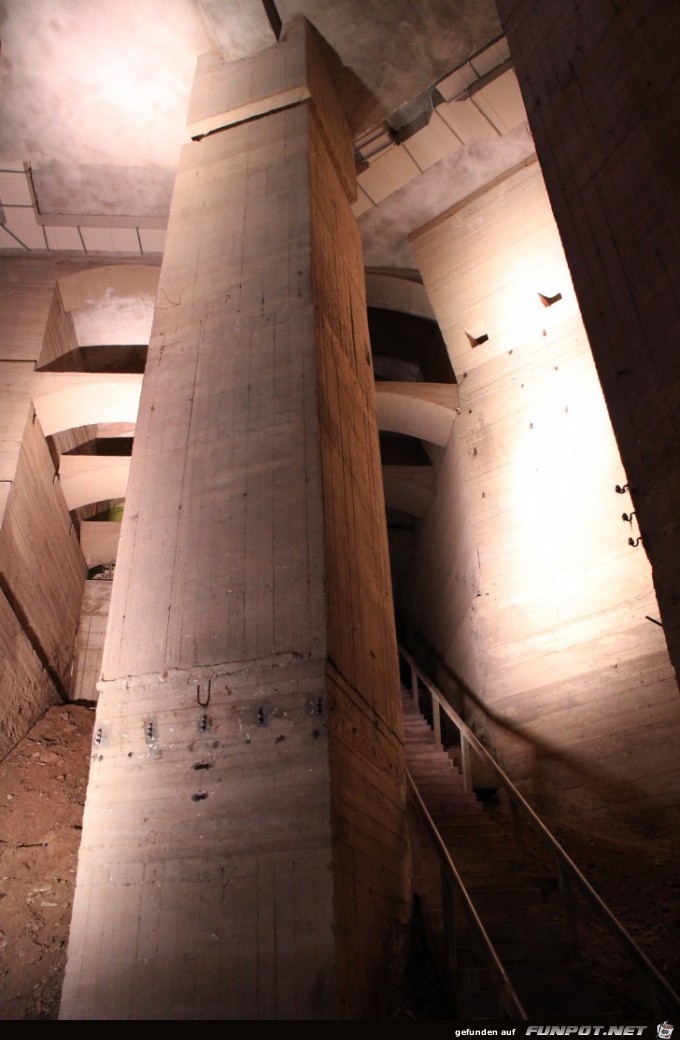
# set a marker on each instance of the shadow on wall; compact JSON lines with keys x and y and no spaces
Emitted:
{"x":548,"y":771}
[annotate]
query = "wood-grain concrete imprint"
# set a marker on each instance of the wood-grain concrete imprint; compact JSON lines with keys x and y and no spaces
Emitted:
{"x":230,"y":843}
{"x":553,"y":592}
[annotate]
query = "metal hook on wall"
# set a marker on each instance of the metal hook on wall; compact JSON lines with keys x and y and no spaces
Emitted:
{"x":206,"y":702}
{"x":634,"y":541}
{"x":628,"y":517}
{"x":621,"y":490}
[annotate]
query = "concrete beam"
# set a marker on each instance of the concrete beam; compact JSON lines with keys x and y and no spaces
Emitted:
{"x":408,"y":488}
{"x":99,"y":541}
{"x":93,"y":478}
{"x":63,"y":400}
{"x":394,"y":293}
{"x":424,"y":410}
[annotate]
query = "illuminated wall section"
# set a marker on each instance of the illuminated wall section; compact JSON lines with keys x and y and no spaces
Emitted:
{"x":600,"y":85}
{"x":244,"y":848}
{"x":545,"y":608}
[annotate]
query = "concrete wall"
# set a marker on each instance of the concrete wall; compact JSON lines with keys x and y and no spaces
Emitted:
{"x":370,"y":844}
{"x":26,"y":293}
{"x":41,"y":566}
{"x":89,"y":648}
{"x":525,"y":582}
{"x":60,"y":335}
{"x":42,"y":570}
{"x":600,"y":84}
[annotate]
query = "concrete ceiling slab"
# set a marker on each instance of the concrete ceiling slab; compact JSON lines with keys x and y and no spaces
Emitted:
{"x":385,"y":228}
{"x":238,"y":28}
{"x":97,"y":81}
{"x":398,"y":49}
{"x":106,"y":190}
{"x":94,"y":95}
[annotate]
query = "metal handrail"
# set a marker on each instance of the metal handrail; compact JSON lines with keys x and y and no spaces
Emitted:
{"x":508,"y":998}
{"x":562,"y":857}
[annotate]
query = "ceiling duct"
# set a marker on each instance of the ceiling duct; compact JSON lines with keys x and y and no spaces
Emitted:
{"x":411,"y":117}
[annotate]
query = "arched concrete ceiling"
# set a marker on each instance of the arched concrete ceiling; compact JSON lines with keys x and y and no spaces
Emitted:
{"x":123,"y":68}
{"x":99,"y":541}
{"x":93,"y":478}
{"x":66,"y":399}
{"x":385,"y":228}
{"x":399,"y":48}
{"x":98,"y":81}
{"x":112,"y":304}
{"x":408,"y":488}
{"x":110,"y":281}
{"x":424,"y":410}
{"x":94,"y":93}
{"x":397,"y":292}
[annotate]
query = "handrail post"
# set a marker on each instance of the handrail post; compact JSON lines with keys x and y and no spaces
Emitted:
{"x":449,"y":923}
{"x":655,"y":1001}
{"x":465,"y":763}
{"x":569,"y":912}
{"x":517,"y":846}
{"x":436,"y":721}
{"x":414,"y":686}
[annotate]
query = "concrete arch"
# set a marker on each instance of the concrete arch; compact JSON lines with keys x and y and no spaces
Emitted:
{"x":93,"y":478}
{"x":99,"y":541}
{"x":112,"y":304}
{"x":408,"y":488}
{"x":397,"y":290}
{"x":424,"y":410}
{"x":63,"y":400}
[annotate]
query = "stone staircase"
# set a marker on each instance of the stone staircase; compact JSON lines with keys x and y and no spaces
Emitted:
{"x":519,"y":908}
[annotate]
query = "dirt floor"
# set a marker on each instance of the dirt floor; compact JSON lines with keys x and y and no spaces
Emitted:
{"x":42,"y":792}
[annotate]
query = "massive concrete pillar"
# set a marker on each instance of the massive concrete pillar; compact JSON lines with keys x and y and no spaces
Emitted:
{"x":244,"y":852}
{"x":600,"y":84}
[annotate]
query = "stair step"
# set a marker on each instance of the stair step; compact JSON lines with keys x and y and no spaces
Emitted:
{"x":478,"y":1007}
{"x":518,"y":954}
{"x":448,"y":807}
{"x":442,"y":788}
{"x":435,"y":789}
{"x":430,"y":760}
{"x":563,"y":988}
{"x":426,"y":749}
{"x":481,"y":845}
{"x":517,"y":915}
{"x":443,"y":771}
{"x":527,"y":931}
{"x":457,"y":825}
{"x":445,"y":779}
{"x":493,"y":891}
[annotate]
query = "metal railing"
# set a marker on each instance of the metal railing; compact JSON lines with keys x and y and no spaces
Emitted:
{"x":508,"y":1001}
{"x":664,"y":998}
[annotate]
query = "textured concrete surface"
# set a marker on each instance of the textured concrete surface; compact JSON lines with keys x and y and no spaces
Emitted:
{"x":610,"y":165}
{"x":246,"y":734}
{"x":554,"y":599}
